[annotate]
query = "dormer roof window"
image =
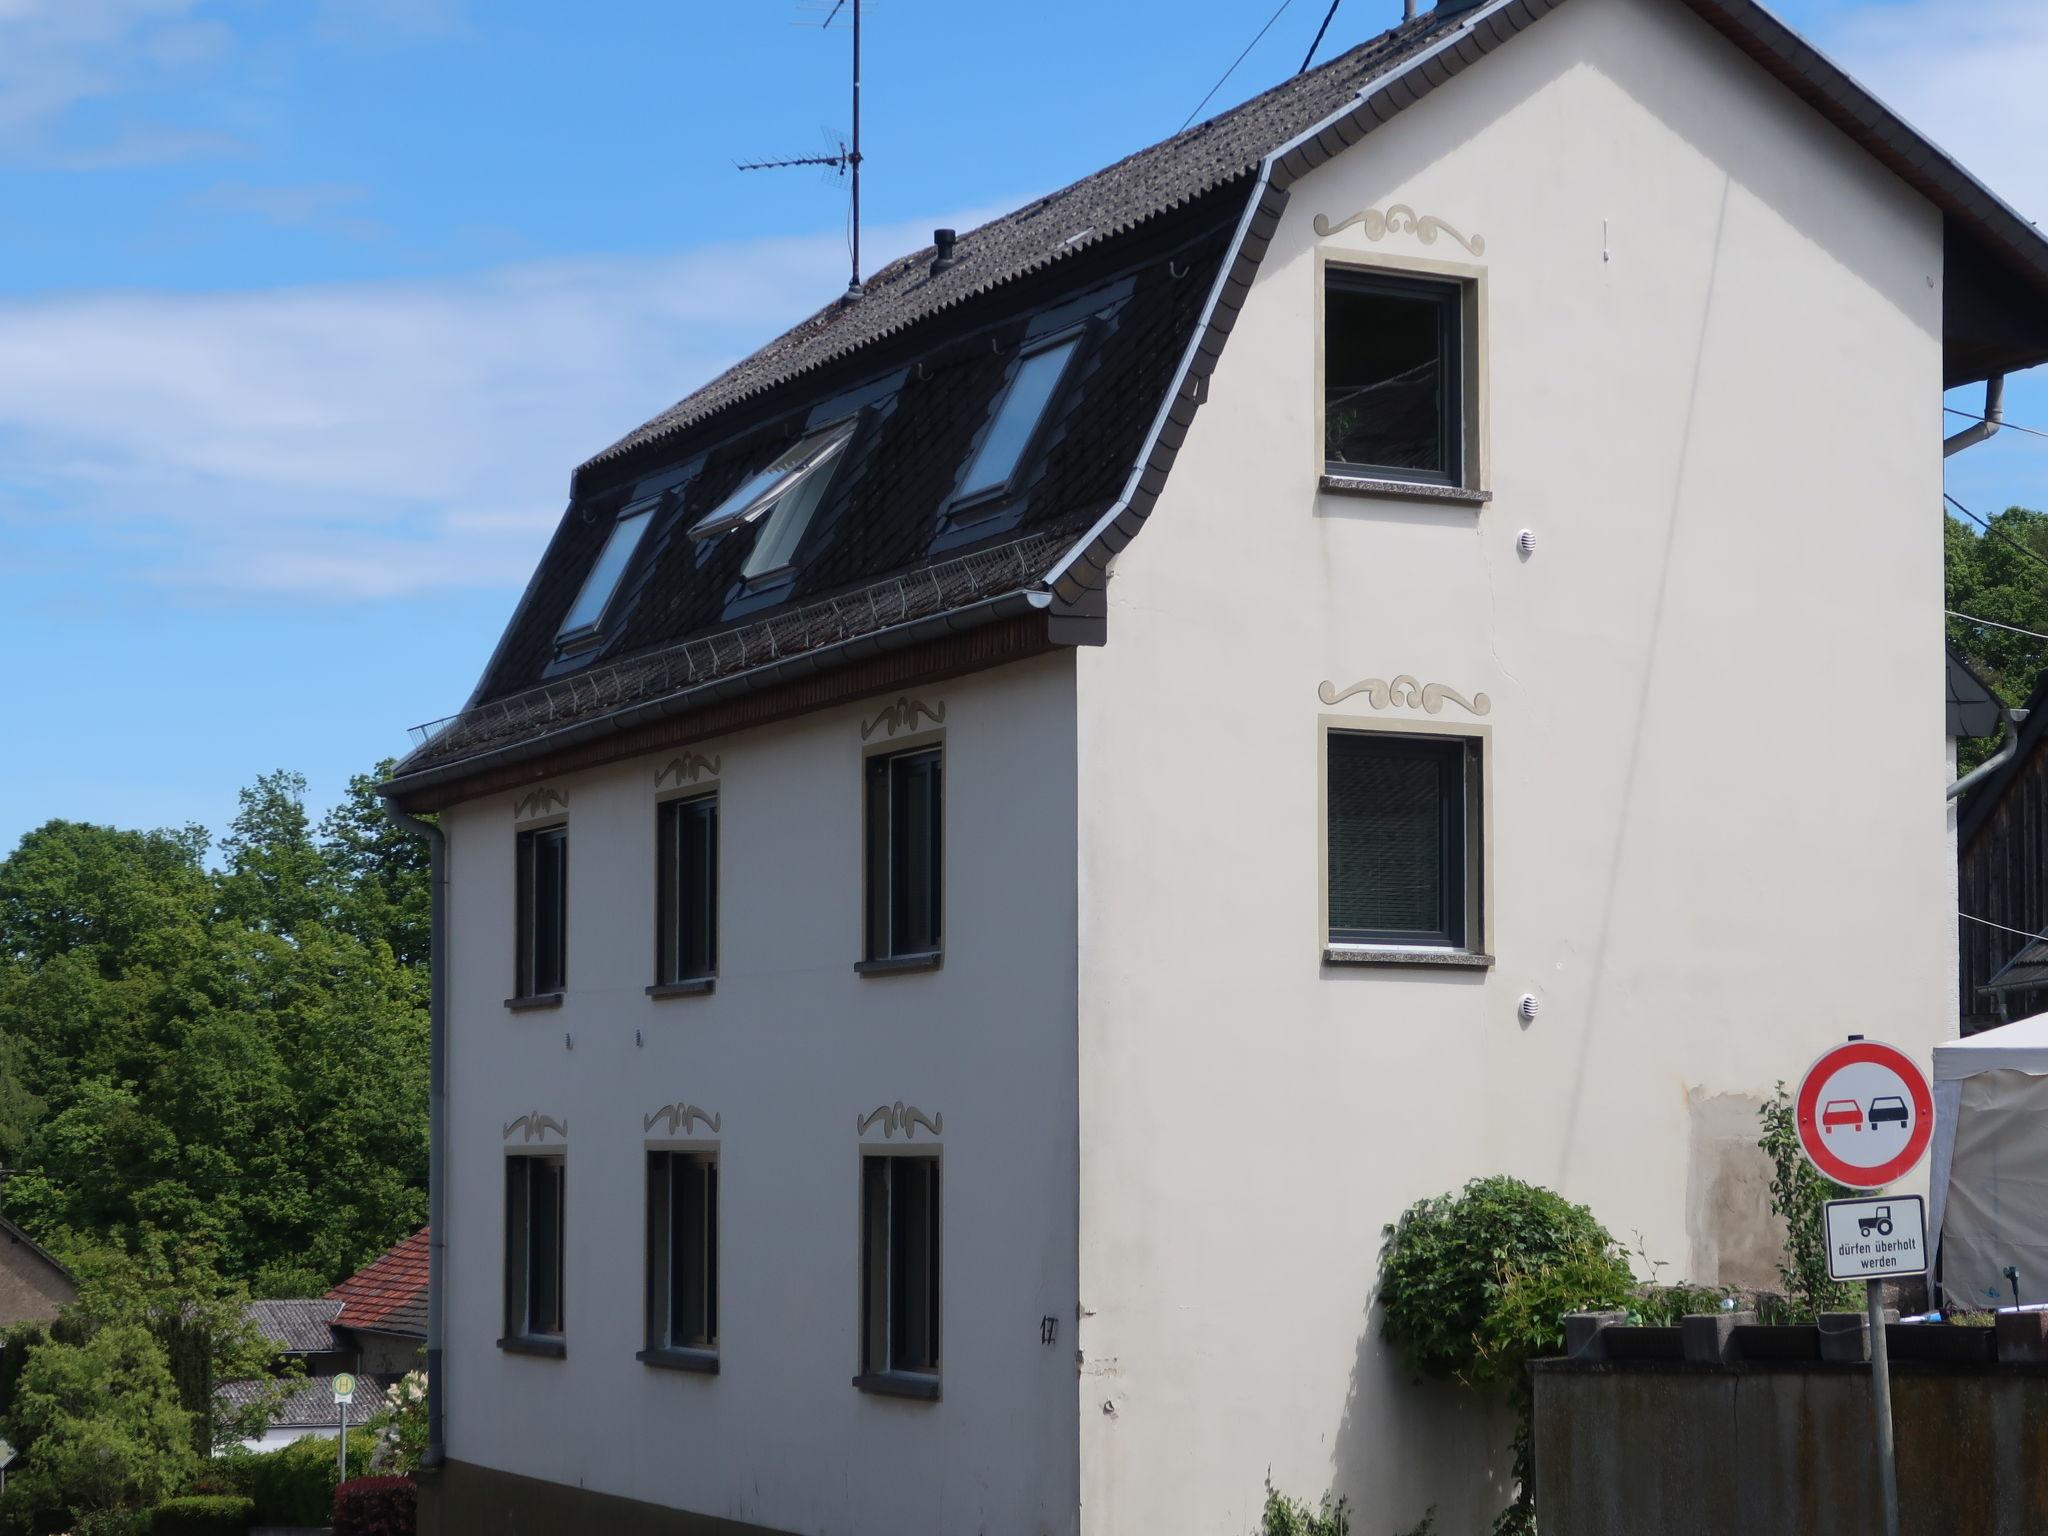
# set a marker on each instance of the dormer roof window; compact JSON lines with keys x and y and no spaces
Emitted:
{"x":993,"y":470}
{"x":787,"y":492}
{"x":585,"y":619}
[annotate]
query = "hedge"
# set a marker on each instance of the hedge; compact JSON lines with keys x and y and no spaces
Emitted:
{"x":202,"y":1514}
{"x":294,"y":1484}
{"x":375,"y":1506}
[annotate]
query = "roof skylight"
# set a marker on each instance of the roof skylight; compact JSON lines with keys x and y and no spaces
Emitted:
{"x":761,"y":493}
{"x":1016,"y":422}
{"x":587,"y":611}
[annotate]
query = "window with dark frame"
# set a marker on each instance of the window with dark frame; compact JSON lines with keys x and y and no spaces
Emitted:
{"x":682,"y":1251}
{"x":687,"y":900}
{"x":583,"y":624}
{"x":1393,"y":387}
{"x":899,"y":1266}
{"x":543,"y":878}
{"x":1403,"y":839}
{"x":533,"y":1247}
{"x":1014,"y":426}
{"x":904,"y":859}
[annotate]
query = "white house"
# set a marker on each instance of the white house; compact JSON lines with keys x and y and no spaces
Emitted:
{"x":1012,"y":832}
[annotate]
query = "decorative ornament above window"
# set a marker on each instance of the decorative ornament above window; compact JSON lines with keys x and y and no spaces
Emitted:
{"x":902,"y":716}
{"x":1406,"y":692}
{"x":535,"y":1126}
{"x":539,"y":802}
{"x":1400,"y":219}
{"x":687,"y":769}
{"x":898,"y":1116}
{"x":679,"y":1118}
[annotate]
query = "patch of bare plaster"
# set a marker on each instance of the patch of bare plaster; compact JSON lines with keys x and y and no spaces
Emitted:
{"x":1734,"y":1237}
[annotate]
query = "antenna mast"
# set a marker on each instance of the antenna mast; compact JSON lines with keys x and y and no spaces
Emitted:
{"x":847,"y":161}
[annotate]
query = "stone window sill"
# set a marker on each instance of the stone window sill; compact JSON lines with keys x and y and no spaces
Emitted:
{"x":894,"y":965}
{"x":545,"y":1348}
{"x":1384,"y":954}
{"x":696,"y":986}
{"x":1404,"y":490}
{"x":900,"y":1384}
{"x":703,"y":1362}
{"x":538,"y":1000}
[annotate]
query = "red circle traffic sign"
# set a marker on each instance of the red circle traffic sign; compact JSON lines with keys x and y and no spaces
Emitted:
{"x":1865,"y":1114}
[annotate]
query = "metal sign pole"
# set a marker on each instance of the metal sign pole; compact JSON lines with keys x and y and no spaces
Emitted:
{"x":1881,"y":1391}
{"x":343,"y":1406}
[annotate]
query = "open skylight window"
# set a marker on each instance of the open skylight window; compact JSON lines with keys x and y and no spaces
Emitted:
{"x":587,"y":612}
{"x":763,"y":493}
{"x":1017,"y":419}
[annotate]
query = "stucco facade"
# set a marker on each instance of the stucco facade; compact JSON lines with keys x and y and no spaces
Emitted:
{"x":1711,"y":373}
{"x":1705,"y":340}
{"x":789,"y":1052}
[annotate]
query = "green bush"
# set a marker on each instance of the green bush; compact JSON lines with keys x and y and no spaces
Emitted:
{"x":202,"y":1514}
{"x":1798,"y":1192}
{"x":294,"y":1484}
{"x":1450,"y":1260}
{"x":1290,"y":1517}
{"x":110,"y":1522}
{"x":1475,"y":1285}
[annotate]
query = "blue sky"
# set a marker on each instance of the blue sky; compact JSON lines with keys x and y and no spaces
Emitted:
{"x":307,"y":307}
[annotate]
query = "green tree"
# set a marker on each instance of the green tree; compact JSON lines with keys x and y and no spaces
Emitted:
{"x":377,"y":874}
{"x":1998,"y":576}
{"x":103,"y":1423}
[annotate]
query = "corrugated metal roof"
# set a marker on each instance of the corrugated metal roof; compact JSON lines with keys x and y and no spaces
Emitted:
{"x":297,"y":1327}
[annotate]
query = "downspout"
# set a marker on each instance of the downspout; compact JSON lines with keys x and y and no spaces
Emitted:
{"x":1977,"y":431}
{"x":1997,"y":760}
{"x":437,"y":1124}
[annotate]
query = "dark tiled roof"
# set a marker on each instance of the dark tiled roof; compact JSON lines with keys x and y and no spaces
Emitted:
{"x":311,"y":1403}
{"x":388,"y":1295}
{"x":1157,"y":179}
{"x":297,"y":1327}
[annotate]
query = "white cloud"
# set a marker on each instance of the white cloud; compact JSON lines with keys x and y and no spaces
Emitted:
{"x":1967,"y":73}
{"x":55,"y":54}
{"x":370,"y":439}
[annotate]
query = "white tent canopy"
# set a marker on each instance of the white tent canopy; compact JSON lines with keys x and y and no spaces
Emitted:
{"x":1989,"y":1182}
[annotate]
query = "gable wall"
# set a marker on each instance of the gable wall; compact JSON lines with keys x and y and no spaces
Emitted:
{"x":1725,"y":437}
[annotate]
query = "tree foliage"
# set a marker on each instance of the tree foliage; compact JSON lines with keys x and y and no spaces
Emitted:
{"x":2000,"y":576}
{"x":231,"y":1061}
{"x":1799,"y":1192}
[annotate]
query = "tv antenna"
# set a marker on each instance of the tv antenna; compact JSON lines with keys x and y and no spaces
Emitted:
{"x":846,"y":161}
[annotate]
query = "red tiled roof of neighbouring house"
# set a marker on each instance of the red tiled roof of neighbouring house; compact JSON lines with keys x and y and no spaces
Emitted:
{"x":389,"y":1294}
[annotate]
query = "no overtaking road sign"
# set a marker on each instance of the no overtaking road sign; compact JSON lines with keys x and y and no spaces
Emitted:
{"x":1865,"y":1114}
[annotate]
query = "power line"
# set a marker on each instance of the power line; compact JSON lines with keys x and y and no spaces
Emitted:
{"x":2010,"y":426}
{"x":1972,"y":918}
{"x":1248,"y":47}
{"x":1995,"y":533}
{"x":1328,"y":17}
{"x":1971,"y":618}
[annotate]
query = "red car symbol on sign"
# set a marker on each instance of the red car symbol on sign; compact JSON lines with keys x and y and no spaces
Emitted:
{"x":1841,"y":1112}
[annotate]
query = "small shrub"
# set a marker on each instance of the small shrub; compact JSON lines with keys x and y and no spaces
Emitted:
{"x":1797,"y":1193}
{"x":1291,"y":1517}
{"x":1475,"y":1285}
{"x":110,"y":1522}
{"x":375,"y":1506}
{"x":202,"y":1515}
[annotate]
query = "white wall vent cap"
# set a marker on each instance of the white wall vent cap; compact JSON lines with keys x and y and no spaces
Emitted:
{"x":1528,"y":1007}
{"x":1525,"y":541}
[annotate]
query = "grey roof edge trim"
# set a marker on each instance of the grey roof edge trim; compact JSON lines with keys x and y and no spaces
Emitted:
{"x":1969,"y":198}
{"x":976,"y":615}
{"x":1978,"y":804}
{"x":1086,"y":565}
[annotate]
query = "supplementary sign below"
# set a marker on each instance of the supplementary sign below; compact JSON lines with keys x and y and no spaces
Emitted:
{"x":1877,"y":1238}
